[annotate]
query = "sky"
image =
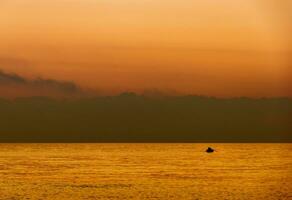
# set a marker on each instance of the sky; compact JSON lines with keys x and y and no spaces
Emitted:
{"x":220,"y":48}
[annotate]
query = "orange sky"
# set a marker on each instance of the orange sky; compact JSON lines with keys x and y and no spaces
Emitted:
{"x":218,"y":48}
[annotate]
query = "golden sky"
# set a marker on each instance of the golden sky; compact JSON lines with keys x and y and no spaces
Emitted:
{"x":207,"y":47}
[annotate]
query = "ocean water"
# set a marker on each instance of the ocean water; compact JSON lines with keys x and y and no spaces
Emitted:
{"x":145,"y":171}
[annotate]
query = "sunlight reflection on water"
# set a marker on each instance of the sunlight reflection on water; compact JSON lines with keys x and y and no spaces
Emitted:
{"x":145,"y":171}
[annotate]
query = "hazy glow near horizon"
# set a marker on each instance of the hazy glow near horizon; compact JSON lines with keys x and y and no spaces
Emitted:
{"x":218,"y":48}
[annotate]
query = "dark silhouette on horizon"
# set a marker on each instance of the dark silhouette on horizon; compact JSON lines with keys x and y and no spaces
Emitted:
{"x":133,"y":118}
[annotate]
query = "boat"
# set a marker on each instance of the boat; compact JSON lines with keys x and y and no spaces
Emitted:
{"x":210,"y":150}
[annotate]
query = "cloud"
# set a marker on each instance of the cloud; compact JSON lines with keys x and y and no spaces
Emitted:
{"x":39,"y":86}
{"x":6,"y":78}
{"x":68,"y":87}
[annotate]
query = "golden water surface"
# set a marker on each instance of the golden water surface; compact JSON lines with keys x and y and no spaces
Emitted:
{"x":145,"y":171}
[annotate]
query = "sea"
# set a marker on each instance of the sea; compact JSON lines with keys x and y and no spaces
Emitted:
{"x":167,"y":171}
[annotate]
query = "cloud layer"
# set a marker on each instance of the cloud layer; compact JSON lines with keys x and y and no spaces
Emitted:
{"x":135,"y":118}
{"x":15,"y":85}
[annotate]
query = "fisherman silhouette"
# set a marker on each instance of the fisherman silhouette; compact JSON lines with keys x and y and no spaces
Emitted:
{"x":210,"y":150}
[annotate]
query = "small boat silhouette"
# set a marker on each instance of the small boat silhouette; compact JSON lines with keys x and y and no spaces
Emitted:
{"x":210,"y":150}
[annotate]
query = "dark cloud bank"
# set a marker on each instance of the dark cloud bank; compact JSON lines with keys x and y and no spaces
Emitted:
{"x":39,"y":86}
{"x":133,"y":118}
{"x":138,"y":118}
